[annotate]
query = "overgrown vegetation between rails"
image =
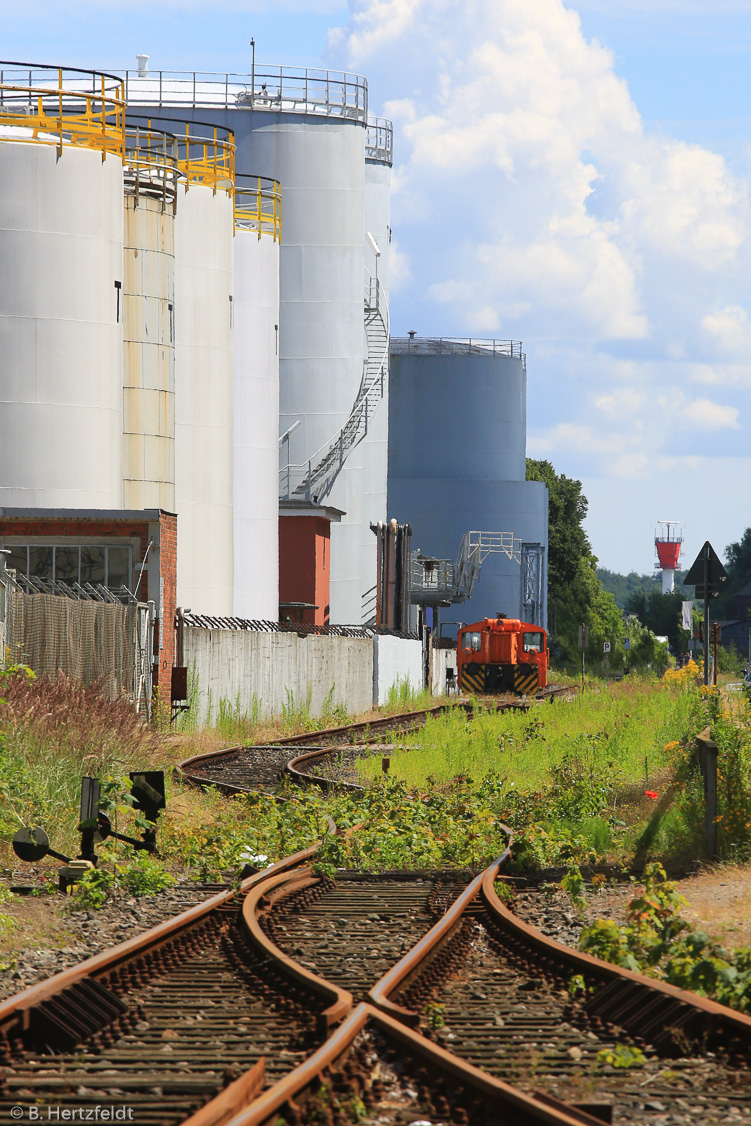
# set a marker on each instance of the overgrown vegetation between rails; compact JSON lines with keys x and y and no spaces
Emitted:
{"x":578,"y":782}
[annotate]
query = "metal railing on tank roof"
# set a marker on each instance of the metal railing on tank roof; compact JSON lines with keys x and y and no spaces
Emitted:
{"x":379,"y":140}
{"x":278,"y":89}
{"x":151,"y":166}
{"x":455,"y":346}
{"x":258,"y":206}
{"x":62,"y":106}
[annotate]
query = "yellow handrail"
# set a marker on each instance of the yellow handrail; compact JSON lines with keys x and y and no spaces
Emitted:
{"x":63,"y":116}
{"x":208,"y":160}
{"x":258,"y":207}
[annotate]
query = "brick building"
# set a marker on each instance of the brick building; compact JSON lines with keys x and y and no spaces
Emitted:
{"x":136,"y":549}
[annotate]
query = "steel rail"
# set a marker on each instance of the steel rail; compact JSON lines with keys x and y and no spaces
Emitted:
{"x":415,"y":959}
{"x":501,"y":1096}
{"x":622,"y":1005}
{"x":302,"y":778}
{"x":232,"y":1099}
{"x":186,"y":771}
{"x":402,"y":719}
{"x":339,"y":1000}
{"x":21,"y":1003}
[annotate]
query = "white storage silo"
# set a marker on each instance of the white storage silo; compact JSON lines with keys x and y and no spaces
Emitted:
{"x":151,"y":178}
{"x":457,"y":461}
{"x":306,"y":129}
{"x":204,"y":319}
{"x":61,"y":261}
{"x":256,"y":398}
{"x":373,"y":453}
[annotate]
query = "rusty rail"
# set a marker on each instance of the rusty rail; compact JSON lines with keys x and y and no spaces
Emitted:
{"x":642,"y":1005}
{"x":340,"y":1001}
{"x":415,"y":958}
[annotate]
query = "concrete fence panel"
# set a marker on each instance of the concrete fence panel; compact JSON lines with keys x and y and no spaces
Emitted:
{"x":395,"y":660}
{"x":262,"y":672}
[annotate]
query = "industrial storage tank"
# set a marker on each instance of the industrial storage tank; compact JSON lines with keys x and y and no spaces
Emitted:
{"x":457,"y":463}
{"x":204,"y":319}
{"x":306,"y":129}
{"x":372,"y":454}
{"x":151,"y":181}
{"x":61,"y":260}
{"x":256,"y":398}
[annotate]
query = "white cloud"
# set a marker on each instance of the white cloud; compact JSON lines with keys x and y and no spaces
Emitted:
{"x":523,"y":148}
{"x":621,"y":402}
{"x":571,"y":436}
{"x":400,"y":269}
{"x":730,"y":329}
{"x":535,"y":203}
{"x":706,"y":415}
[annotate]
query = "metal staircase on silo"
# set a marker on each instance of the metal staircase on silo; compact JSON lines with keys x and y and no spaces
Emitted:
{"x":314,"y":479}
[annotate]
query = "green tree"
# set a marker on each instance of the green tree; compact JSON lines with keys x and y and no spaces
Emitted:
{"x":567,"y":540}
{"x":738,"y":566}
{"x":660,"y":613}
{"x":575,"y":594}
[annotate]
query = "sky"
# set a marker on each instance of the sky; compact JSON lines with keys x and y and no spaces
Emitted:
{"x":575,"y":176}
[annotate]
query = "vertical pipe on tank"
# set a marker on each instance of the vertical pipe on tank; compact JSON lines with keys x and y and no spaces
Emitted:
{"x":204,"y":319}
{"x":148,"y":313}
{"x":372,"y":455}
{"x":256,"y":399}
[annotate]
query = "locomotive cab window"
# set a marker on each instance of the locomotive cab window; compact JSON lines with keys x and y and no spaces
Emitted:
{"x":471,"y":641}
{"x":533,"y":643}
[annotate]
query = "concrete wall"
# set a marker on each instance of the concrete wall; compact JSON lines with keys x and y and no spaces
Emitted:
{"x":442,"y":659}
{"x":243,"y":665}
{"x":395,"y":660}
{"x":239,"y":664}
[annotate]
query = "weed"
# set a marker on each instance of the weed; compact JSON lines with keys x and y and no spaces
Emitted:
{"x":52,"y":731}
{"x":573,"y":884}
{"x":435,"y":1015}
{"x":577,"y":986}
{"x":143,"y":876}
{"x":504,"y":891}
{"x":621,"y":1056}
{"x":402,"y":697}
{"x":658,"y":941}
{"x":93,"y":889}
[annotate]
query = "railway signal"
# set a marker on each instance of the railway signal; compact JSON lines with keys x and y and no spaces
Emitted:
{"x":32,"y":844}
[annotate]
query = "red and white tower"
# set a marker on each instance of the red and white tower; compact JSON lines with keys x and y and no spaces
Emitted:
{"x":668,"y":544}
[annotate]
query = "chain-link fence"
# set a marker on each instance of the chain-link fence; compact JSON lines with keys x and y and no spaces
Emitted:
{"x":87,"y":639}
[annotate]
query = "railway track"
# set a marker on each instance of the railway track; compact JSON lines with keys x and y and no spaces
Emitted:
{"x":493,"y":990}
{"x":353,"y":930}
{"x":161,"y":1024}
{"x":403,"y":997}
{"x":239,"y":769}
{"x":335,"y":751}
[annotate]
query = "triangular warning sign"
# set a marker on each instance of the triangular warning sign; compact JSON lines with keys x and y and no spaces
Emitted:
{"x":706,"y":568}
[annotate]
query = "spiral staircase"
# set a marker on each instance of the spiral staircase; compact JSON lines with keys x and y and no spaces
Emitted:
{"x":314,"y":479}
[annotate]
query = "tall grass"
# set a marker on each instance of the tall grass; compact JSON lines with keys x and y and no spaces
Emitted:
{"x":52,"y":732}
{"x":628,"y":725}
{"x":402,"y":697}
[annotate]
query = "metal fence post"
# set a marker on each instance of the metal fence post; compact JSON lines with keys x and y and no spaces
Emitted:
{"x":706,"y":749}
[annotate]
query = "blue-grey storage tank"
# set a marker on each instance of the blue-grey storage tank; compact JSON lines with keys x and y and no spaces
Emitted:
{"x":457,"y":463}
